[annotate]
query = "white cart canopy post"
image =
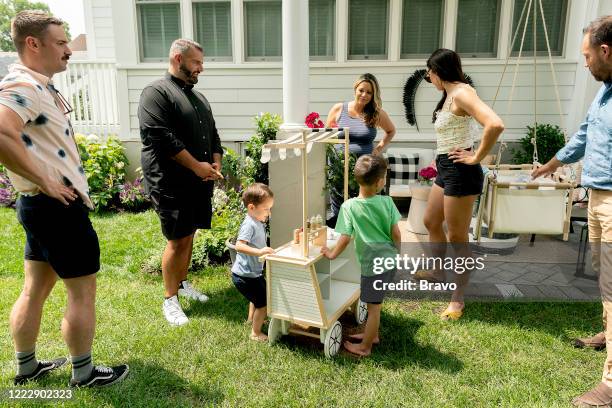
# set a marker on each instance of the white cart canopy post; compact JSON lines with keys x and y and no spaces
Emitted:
{"x":298,"y":180}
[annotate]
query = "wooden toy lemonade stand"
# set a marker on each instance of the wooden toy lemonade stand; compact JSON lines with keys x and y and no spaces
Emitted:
{"x":304,"y":289}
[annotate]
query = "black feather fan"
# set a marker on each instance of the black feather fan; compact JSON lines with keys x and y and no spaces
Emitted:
{"x":410,"y":90}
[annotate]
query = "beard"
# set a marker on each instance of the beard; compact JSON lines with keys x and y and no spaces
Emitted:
{"x":599,"y":76}
{"x":600,"y":71}
{"x":191,"y":76}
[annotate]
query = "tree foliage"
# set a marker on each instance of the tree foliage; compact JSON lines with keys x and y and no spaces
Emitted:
{"x":8,"y":10}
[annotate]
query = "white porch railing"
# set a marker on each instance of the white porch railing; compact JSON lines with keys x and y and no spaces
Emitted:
{"x":91,"y":89}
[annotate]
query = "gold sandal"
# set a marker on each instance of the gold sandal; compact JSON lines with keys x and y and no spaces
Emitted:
{"x":451,"y":315}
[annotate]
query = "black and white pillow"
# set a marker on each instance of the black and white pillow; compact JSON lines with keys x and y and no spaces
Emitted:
{"x":403,"y":168}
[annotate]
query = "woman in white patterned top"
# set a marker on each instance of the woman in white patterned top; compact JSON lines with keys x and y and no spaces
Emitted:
{"x":460,"y":177}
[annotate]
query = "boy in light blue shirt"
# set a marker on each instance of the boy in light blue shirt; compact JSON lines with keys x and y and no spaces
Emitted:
{"x":251,"y":243}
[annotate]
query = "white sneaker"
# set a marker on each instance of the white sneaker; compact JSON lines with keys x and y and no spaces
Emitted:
{"x":190,"y":292}
{"x":173,"y":312}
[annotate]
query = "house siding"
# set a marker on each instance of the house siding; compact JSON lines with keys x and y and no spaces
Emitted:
{"x":236,"y":95}
{"x":103,"y":29}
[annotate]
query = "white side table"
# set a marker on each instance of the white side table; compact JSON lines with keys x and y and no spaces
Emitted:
{"x":420,"y":195}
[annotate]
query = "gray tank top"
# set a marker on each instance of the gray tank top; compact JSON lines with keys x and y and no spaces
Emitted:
{"x":361,"y":136}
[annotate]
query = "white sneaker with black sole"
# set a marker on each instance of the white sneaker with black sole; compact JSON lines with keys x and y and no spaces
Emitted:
{"x":44,"y":367}
{"x":190,"y":292}
{"x":103,"y":376}
{"x":173,"y":312}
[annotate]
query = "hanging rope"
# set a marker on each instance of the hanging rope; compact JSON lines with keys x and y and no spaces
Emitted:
{"x":526,"y":13}
{"x":534,"y":141}
{"x":573,"y":166}
{"x":518,"y":62}
{"x":501,"y":78}
{"x":554,"y":74}
{"x":502,"y":145}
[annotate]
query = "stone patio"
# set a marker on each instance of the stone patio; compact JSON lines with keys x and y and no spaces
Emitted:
{"x":543,"y":271}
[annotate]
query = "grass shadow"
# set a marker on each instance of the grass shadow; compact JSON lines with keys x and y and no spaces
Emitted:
{"x":147,"y":385}
{"x":554,"y":318}
{"x":397,"y":350}
{"x":227,"y":303}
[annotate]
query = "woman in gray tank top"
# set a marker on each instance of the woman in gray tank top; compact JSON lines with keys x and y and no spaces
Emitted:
{"x":363,"y":115}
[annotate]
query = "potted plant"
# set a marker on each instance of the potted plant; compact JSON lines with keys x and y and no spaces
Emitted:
{"x":427,"y":175}
{"x":549,"y":140}
{"x":230,"y":244}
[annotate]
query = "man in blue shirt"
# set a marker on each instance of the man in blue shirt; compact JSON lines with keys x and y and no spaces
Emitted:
{"x":593,"y":142}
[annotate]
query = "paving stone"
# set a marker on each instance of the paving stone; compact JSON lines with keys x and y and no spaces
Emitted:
{"x":553,"y":293}
{"x":480,"y":290}
{"x":531,"y":292}
{"x":575,"y":293}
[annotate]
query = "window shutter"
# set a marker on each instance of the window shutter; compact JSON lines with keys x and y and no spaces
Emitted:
{"x":421,"y":27}
{"x":555,"y":12}
{"x":477,"y":28}
{"x":263,"y":30}
{"x":213,"y":29}
{"x":368,"y":24}
{"x":322,"y":21}
{"x":160,"y":25}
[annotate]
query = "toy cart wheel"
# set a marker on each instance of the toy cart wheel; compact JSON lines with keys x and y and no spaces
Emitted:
{"x":333,"y":340}
{"x":274,"y":330}
{"x":361,"y":311}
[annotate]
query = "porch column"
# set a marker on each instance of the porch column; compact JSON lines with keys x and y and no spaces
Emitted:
{"x":295,"y":63}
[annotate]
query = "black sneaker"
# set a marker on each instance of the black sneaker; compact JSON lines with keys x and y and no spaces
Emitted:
{"x":103,"y":376}
{"x":43,"y":368}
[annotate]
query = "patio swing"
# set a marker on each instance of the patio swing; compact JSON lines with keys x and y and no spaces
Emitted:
{"x":511,"y":202}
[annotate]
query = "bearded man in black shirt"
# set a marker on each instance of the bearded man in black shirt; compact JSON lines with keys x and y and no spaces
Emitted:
{"x":181,"y":158}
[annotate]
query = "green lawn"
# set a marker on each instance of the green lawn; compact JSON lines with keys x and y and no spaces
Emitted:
{"x":499,"y":354}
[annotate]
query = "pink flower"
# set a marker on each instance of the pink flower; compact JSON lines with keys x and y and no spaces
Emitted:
{"x":427,"y":173}
{"x":313,"y":120}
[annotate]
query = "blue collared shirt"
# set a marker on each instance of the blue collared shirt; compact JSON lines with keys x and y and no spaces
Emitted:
{"x":593,"y":141}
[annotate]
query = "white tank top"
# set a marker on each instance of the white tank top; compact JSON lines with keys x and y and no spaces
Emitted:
{"x":454,"y":130}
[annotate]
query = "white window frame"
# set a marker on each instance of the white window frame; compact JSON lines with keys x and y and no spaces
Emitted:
{"x":209,"y":58}
{"x":245,"y":33}
{"x":498,"y":29}
{"x":139,"y":3}
{"x":334,"y":33}
{"x":539,"y":53}
{"x":359,"y":57}
{"x":401,"y":27}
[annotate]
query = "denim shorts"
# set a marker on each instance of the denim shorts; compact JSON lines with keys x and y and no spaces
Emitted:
{"x":458,"y":179}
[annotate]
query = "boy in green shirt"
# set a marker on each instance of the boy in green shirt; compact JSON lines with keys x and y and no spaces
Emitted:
{"x":371,"y":219}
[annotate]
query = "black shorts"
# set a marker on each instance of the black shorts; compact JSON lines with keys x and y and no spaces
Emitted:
{"x":371,"y":287}
{"x":181,"y":215}
{"x":458,"y":179}
{"x":254,"y":289}
{"x":60,"y":235}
